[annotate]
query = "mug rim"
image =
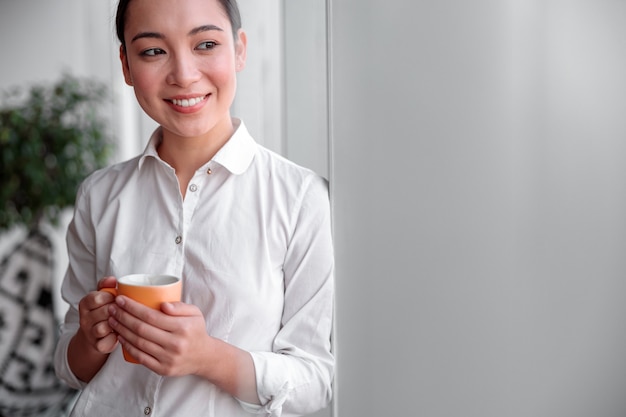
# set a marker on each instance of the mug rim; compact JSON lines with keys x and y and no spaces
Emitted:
{"x":168,"y":280}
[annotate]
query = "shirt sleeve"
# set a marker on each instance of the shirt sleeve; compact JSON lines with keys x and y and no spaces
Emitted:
{"x":296,"y":377}
{"x":79,"y":280}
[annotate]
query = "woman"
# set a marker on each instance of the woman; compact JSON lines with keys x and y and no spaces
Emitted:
{"x":247,"y":230}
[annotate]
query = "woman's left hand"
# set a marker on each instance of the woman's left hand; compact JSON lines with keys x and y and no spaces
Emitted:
{"x":171,"y":342}
{"x":174,"y":341}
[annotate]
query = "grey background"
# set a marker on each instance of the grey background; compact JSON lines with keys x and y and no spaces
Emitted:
{"x":479,"y":183}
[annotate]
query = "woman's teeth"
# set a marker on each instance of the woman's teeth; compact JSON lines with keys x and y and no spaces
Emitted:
{"x":188,"y":102}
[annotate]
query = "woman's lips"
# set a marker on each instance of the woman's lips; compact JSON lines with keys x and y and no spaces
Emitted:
{"x":187,"y":102}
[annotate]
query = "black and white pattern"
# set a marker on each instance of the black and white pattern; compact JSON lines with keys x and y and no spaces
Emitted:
{"x":28,"y":332}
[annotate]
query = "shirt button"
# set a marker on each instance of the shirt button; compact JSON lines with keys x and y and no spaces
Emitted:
{"x":208,"y":171}
{"x":193,"y":188}
{"x":147,"y":411}
{"x":178,"y":239}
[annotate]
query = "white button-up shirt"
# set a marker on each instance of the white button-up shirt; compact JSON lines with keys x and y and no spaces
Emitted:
{"x":252,"y":241}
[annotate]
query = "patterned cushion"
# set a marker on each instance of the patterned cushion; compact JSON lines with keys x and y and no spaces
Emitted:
{"x":28,"y":332}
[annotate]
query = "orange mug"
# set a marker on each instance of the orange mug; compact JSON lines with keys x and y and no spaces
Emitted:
{"x":150,"y":290}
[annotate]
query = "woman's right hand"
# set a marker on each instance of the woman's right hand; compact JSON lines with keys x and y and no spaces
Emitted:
{"x":90,"y":347}
{"x":94,"y":314}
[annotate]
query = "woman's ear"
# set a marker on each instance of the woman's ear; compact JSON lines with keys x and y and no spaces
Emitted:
{"x":241,"y":45}
{"x":125,"y":67}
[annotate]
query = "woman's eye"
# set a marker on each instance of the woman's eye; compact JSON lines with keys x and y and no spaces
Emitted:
{"x":153,"y":52}
{"x":207,"y":45}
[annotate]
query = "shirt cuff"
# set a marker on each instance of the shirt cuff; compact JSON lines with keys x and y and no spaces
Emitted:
{"x":272,"y":391}
{"x":272,"y":408}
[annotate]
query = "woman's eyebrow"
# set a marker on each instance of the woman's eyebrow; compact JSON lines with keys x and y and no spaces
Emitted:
{"x":154,"y":35}
{"x":204,"y":28}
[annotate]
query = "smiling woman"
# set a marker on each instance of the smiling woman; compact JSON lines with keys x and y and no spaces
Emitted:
{"x":247,"y":230}
{"x":261,"y":99}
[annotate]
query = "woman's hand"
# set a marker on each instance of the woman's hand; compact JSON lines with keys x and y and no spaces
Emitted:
{"x":170,"y":342}
{"x":174,"y":341}
{"x":94,"y":315}
{"x":94,"y":340}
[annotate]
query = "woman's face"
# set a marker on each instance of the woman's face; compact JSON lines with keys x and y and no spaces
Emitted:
{"x":182,"y":60}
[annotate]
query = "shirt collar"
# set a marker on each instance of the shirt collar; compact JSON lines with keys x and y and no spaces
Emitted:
{"x":236,"y":155}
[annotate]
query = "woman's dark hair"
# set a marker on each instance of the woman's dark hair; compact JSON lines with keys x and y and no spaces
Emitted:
{"x":230,"y":7}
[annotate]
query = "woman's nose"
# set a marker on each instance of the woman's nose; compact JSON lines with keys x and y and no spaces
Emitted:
{"x":183,"y":70}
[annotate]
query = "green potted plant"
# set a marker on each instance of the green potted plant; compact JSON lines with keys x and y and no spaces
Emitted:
{"x":51,"y":137}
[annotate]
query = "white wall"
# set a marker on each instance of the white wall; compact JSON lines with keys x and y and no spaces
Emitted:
{"x":260,"y":97}
{"x":478,"y":190}
{"x":42,"y":38}
{"x":306,"y":91}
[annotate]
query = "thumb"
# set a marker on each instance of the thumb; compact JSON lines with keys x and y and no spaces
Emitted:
{"x":178,"y":308}
{"x":107,"y":282}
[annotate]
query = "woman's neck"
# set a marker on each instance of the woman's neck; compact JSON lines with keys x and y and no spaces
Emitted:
{"x":186,"y":155}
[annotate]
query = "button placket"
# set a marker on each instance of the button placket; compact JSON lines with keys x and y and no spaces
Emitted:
{"x":189,"y":206}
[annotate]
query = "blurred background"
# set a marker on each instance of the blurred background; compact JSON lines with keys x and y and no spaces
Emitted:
{"x":475,"y":152}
